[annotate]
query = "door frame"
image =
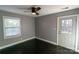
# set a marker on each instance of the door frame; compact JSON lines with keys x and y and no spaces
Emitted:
{"x":77,"y":29}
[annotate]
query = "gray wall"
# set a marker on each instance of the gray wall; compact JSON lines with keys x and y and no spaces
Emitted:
{"x":46,"y":25}
{"x":27,"y":27}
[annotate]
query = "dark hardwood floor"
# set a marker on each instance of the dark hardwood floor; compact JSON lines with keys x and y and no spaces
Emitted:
{"x":36,"y":46}
{"x":46,"y":48}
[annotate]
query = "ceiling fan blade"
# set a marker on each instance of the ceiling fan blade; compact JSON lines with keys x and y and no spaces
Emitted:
{"x":27,"y":11}
{"x":37,"y":13}
{"x":38,"y":8}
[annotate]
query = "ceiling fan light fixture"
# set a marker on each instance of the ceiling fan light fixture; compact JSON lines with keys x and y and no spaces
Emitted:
{"x":33,"y":13}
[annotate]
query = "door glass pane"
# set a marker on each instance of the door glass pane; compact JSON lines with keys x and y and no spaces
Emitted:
{"x":66,"y":26}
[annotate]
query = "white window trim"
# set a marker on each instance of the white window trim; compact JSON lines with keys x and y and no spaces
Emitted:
{"x":13,"y":36}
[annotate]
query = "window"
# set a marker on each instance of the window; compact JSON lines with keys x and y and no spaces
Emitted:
{"x":67,"y":26}
{"x":11,"y":27}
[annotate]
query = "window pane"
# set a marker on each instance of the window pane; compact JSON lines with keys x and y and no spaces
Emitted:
{"x":12,"y":31}
{"x":11,"y":27}
{"x":12,"y":23}
{"x":67,"y":26}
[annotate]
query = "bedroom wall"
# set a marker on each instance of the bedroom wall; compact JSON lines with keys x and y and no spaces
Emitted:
{"x":46,"y":25}
{"x":27,"y":27}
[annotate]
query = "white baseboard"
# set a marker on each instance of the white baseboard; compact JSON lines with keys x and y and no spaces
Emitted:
{"x":18,"y":42}
{"x":47,"y":41}
{"x":77,"y":51}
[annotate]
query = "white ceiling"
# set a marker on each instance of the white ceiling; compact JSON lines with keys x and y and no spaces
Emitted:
{"x":45,"y":9}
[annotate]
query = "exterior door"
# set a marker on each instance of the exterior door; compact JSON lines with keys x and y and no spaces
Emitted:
{"x":67,"y":32}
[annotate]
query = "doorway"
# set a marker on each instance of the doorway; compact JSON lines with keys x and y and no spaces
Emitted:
{"x":66,"y":31}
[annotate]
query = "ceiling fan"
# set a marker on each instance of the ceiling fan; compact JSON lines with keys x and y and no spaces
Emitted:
{"x":34,"y":10}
